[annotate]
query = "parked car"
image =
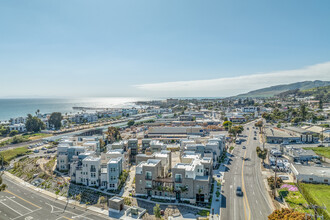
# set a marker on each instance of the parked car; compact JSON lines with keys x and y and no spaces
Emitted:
{"x":255,"y":138}
{"x":244,"y":147}
{"x":283,"y":177}
{"x":239,"y":191}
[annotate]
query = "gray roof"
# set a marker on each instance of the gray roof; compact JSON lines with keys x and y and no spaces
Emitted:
{"x":312,"y":170}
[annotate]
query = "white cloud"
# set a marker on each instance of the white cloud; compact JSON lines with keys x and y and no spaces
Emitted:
{"x":222,"y":87}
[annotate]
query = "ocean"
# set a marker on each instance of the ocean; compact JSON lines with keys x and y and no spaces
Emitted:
{"x":10,"y":108}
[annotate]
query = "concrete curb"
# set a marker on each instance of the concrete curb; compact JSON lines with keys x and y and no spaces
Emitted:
{"x":270,"y":201}
{"x":172,"y":203}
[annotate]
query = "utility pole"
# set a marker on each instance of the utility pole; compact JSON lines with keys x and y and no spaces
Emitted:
{"x":322,"y":137}
{"x":315,"y":207}
{"x":275,"y":180}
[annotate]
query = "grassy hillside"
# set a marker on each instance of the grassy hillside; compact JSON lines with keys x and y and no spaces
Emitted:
{"x":322,"y":92}
{"x":275,"y":90}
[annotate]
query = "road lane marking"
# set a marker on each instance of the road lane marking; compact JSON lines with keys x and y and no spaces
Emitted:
{"x":243,"y":187}
{"x":11,"y":208}
{"x":244,"y":208}
{"x":19,"y":204}
{"x":7,"y":191}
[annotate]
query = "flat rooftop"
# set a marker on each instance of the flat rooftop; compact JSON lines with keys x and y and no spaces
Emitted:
{"x":276,"y":132}
{"x":116,"y":199}
{"x":90,"y":158}
{"x":312,"y":170}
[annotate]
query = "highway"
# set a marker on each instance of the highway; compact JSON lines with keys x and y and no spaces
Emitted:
{"x":243,"y":170}
{"x":19,"y":202}
{"x":59,"y":136}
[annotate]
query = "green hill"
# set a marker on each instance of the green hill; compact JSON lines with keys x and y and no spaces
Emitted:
{"x":322,"y":92}
{"x":276,"y":90}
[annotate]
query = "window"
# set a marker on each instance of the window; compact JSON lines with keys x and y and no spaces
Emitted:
{"x":178,"y":178}
{"x":148,"y":175}
{"x":310,"y":179}
{"x":155,"y":193}
{"x":148,"y":184}
{"x":326,"y":181}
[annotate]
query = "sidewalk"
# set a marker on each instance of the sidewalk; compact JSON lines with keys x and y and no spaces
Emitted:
{"x":216,"y":205}
{"x":52,"y":195}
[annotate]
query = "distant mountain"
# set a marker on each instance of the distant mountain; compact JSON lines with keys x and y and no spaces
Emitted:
{"x":275,"y":90}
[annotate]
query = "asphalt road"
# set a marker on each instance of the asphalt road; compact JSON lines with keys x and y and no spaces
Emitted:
{"x":243,"y":170}
{"x":17,"y":202}
{"x":121,"y":124}
{"x":57,"y":137}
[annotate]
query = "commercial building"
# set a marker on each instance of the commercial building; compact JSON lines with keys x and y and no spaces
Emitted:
{"x":311,"y":174}
{"x":175,"y":132}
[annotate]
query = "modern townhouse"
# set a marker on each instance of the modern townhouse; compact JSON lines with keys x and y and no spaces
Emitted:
{"x":145,"y":144}
{"x":157,"y":146}
{"x":133,"y":146}
{"x":192,"y":182}
{"x":117,"y":153}
{"x":114,"y":170}
{"x":147,"y":175}
{"x":188,"y":181}
{"x":91,"y":171}
{"x":164,"y":156}
{"x":65,"y":154}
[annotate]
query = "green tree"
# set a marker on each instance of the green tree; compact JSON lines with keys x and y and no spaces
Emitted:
{"x":235,"y":130}
{"x":321,"y":104}
{"x":3,"y":130}
{"x":267,"y":116}
{"x":130,"y":123}
{"x":227,"y":124}
{"x":13,"y":133}
{"x":303,"y":111}
{"x":2,"y":185}
{"x":259,"y":124}
{"x":55,"y":120}
{"x":34,"y":124}
{"x":157,"y":211}
{"x":112,"y":135}
{"x":262,"y":154}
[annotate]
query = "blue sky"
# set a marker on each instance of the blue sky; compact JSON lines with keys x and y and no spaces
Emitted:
{"x":155,"y":48}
